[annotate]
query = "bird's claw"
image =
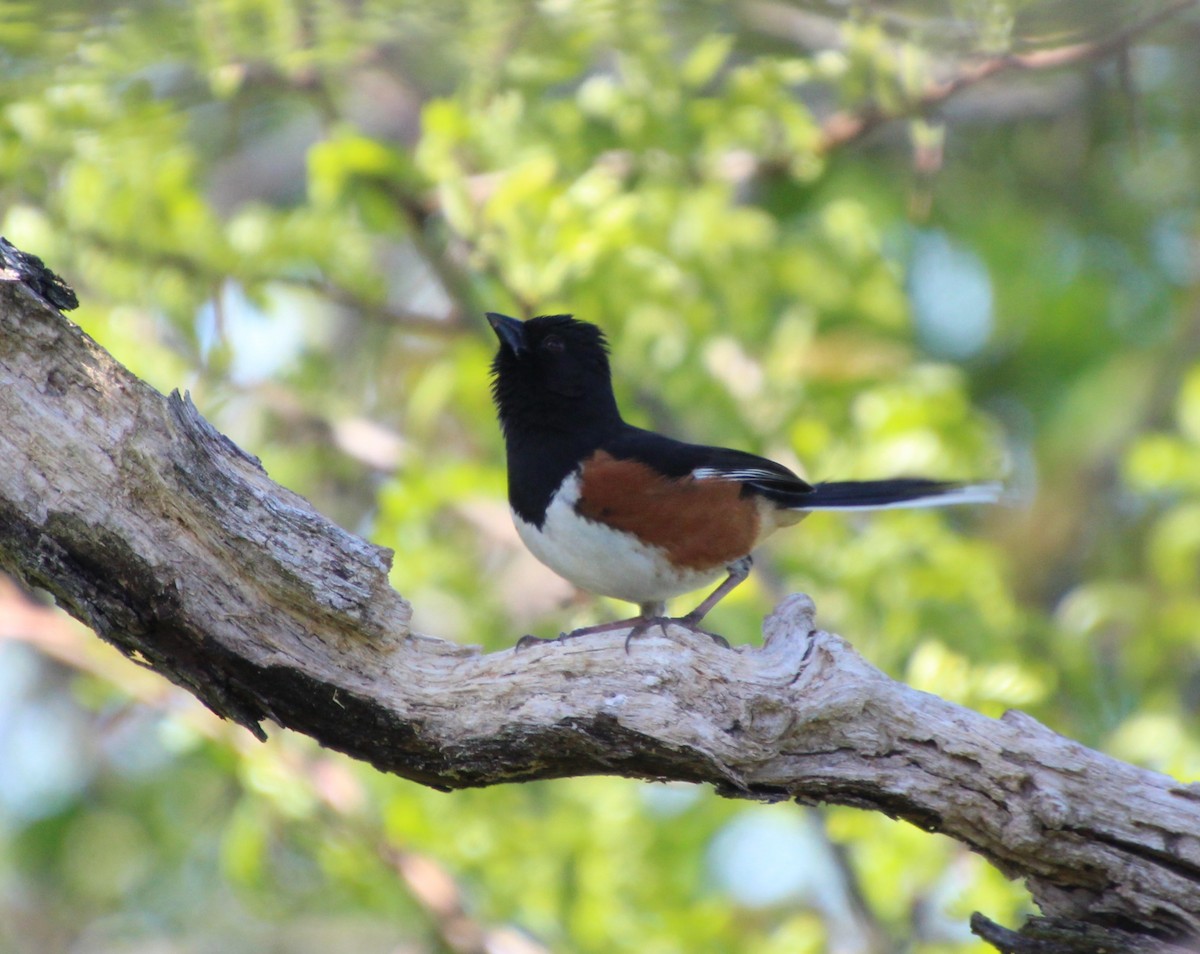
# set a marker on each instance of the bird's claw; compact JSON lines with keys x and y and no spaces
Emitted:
{"x":690,"y":622}
{"x":661,"y":621}
{"x":716,"y":638}
{"x":640,"y":628}
{"x":527,"y":640}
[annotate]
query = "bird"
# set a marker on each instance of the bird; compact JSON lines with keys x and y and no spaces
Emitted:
{"x":631,"y":514}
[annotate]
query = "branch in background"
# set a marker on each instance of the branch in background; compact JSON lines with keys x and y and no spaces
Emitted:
{"x":741,"y":167}
{"x":816,"y":32}
{"x":196,"y":270}
{"x":196,"y":565}
{"x":445,"y":904}
{"x":738,"y":167}
{"x":420,"y":212}
{"x":842,"y":128}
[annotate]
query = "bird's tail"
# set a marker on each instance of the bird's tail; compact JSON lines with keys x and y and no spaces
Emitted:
{"x":894,"y":494}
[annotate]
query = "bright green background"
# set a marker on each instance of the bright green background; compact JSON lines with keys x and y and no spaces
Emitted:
{"x":300,"y":210}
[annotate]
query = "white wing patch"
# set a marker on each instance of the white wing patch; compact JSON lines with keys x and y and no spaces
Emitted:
{"x":749,"y":473}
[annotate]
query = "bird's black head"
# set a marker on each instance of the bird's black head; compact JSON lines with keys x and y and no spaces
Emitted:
{"x":551,"y":374}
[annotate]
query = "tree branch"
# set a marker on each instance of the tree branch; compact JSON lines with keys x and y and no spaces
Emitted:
{"x":175,"y":546}
{"x":842,"y":128}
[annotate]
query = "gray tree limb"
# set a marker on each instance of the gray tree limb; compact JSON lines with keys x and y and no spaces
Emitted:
{"x":175,"y":546}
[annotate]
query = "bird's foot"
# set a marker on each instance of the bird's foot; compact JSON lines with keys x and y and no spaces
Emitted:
{"x":692,"y":622}
{"x":526,"y":641}
{"x":641,"y":626}
{"x":687,"y":622}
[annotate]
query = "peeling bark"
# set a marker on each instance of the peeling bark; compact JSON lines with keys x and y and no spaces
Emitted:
{"x":175,"y":546}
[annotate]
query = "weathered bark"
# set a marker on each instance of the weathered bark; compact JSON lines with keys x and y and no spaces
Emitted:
{"x":175,"y":546}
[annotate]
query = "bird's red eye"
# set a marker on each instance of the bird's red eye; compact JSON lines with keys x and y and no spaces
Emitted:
{"x":553,"y":344}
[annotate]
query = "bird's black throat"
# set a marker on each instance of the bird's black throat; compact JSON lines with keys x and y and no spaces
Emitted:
{"x":546,"y":437}
{"x":553,"y":392}
{"x":537,"y":466}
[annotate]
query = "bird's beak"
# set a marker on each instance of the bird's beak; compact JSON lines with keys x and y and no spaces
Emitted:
{"x":510,"y":331}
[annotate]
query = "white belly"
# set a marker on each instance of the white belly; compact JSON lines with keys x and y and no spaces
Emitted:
{"x":601,"y":560}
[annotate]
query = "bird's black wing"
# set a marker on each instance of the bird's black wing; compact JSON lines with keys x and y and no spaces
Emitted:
{"x":679,"y":459}
{"x":764,"y":477}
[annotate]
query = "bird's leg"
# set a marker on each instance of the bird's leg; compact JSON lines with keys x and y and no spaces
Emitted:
{"x":738,"y":571}
{"x":652,"y":613}
{"x":648,"y":615}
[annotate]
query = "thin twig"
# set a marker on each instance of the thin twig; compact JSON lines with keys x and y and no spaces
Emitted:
{"x":845,"y":127}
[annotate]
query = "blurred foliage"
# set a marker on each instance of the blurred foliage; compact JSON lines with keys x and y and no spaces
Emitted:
{"x":299,"y":211}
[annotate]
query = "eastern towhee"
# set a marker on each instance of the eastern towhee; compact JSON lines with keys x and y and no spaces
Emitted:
{"x":627,"y":513}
